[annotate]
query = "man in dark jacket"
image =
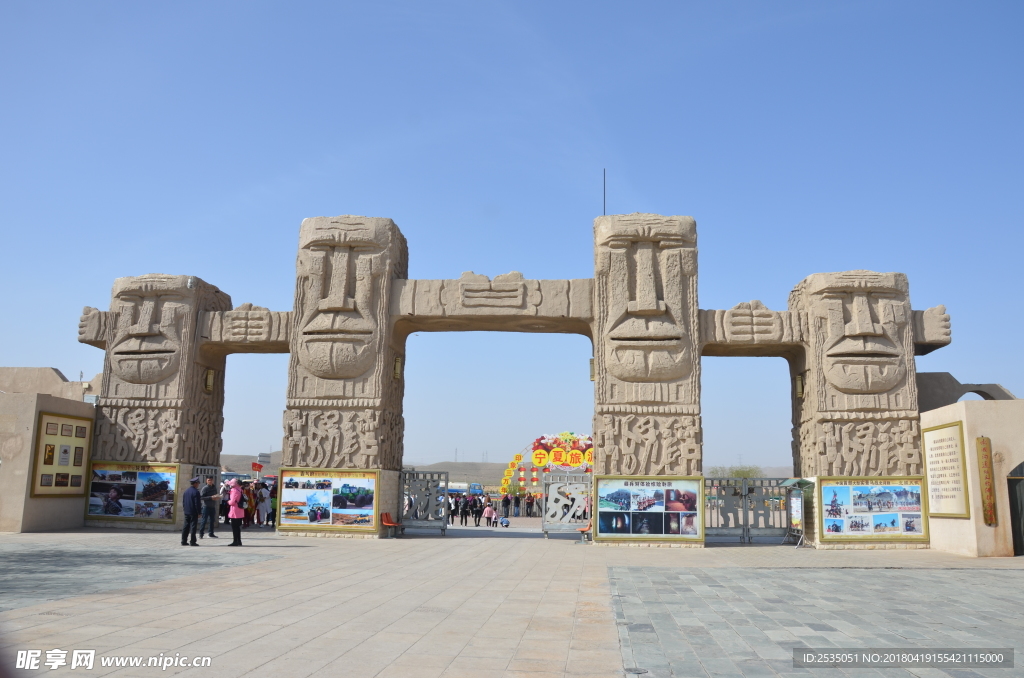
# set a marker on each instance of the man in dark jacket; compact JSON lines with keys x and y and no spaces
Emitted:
{"x":191,"y":505}
{"x":211,"y":504}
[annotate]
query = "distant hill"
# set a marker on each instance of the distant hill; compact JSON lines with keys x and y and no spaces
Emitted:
{"x":242,"y":463}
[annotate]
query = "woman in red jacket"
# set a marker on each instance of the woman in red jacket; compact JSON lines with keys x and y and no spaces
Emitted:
{"x":235,"y":512}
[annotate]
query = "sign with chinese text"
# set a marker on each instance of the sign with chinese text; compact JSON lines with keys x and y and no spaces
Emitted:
{"x":946,"y":466}
{"x":872,"y":509}
{"x":988,"y":484}
{"x":649,"y":508}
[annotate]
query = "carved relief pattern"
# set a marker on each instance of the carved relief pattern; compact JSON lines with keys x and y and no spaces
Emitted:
{"x":883,"y":447}
{"x":647,"y":445}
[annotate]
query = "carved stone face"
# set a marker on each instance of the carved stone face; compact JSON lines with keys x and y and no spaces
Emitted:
{"x":642,"y":262}
{"x":860,"y":322}
{"x":151,"y":312}
{"x":340,"y":268}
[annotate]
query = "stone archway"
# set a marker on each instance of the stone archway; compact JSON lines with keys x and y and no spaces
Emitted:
{"x":850,"y":339}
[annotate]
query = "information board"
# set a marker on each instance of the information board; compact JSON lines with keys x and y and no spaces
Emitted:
{"x":61,"y":455}
{"x":649,"y":508}
{"x":327,"y":499}
{"x":872,"y":509}
{"x":132,"y":491}
{"x":946,"y":469}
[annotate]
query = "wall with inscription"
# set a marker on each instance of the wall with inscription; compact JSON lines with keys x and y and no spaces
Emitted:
{"x":993,"y":433}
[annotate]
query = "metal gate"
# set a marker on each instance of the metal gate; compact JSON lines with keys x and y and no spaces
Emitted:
{"x":424,"y":500}
{"x":203,"y":471}
{"x":565,"y":505}
{"x":745,"y":508}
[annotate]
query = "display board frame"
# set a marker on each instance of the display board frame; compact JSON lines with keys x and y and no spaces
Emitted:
{"x":324,"y":473}
{"x":37,"y":489}
{"x":964,"y":470}
{"x":137,"y":467}
{"x":658,"y":482}
{"x":825,"y":482}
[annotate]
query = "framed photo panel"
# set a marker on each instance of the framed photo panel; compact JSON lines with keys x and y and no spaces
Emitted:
{"x":132,"y":491}
{"x":58,"y":459}
{"x":875,"y":508}
{"x":945,"y":463}
{"x":327,"y":499}
{"x":649,"y":508}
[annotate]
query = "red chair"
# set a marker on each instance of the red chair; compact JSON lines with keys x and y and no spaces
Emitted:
{"x":393,"y":527}
{"x":584,"y":531}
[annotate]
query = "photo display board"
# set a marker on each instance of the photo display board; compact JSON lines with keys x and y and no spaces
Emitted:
{"x":61,"y":455}
{"x":649,"y":508}
{"x":946,"y":466}
{"x":873,"y":508}
{"x":327,"y":499}
{"x":131,"y":491}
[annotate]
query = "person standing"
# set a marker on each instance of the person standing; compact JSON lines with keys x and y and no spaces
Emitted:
{"x":453,"y":508}
{"x":262,"y":504}
{"x":515,"y":506}
{"x":211,"y":503}
{"x":489,"y":514}
{"x":464,"y":511}
{"x":225,"y":494}
{"x":191,"y":505}
{"x":478,"y":511}
{"x":529,"y":505}
{"x":505,"y":502}
{"x":235,"y":511}
{"x":272,"y":518}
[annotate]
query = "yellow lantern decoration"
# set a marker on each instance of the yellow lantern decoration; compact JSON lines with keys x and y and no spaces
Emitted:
{"x":588,"y":456}
{"x":508,"y":473}
{"x":540,"y":457}
{"x":511,"y":464}
{"x":517,"y":458}
{"x":575,"y":458}
{"x":558,"y":456}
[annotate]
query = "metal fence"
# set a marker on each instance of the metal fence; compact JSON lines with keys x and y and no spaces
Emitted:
{"x":424,"y":500}
{"x":745,"y":508}
{"x":565,"y":503}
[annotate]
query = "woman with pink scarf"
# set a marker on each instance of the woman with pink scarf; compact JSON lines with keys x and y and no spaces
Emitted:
{"x":235,"y":511}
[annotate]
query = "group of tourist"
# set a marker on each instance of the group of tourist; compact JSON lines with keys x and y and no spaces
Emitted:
{"x":494,"y":511}
{"x":240,"y":504}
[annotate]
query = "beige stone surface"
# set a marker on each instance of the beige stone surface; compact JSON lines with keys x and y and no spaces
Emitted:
{"x":19,"y":511}
{"x":1002,"y":421}
{"x":48,"y":380}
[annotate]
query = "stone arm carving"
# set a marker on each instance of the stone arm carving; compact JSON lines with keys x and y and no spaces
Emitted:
{"x":751,"y":323}
{"x":92,"y":327}
{"x":931,"y":330}
{"x":246,"y":329}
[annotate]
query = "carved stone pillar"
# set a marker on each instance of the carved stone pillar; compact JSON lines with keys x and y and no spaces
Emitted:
{"x":344,"y":406}
{"x":162,"y":396}
{"x":646,"y":346}
{"x":858,"y":412}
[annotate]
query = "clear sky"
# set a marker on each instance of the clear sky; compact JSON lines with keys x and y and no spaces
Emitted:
{"x":193,"y":138}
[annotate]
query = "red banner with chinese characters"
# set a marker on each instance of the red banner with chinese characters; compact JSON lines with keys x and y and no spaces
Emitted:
{"x":257,"y":467}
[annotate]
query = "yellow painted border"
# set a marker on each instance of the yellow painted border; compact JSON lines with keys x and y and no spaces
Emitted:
{"x":874,"y":480}
{"x":86,"y":473}
{"x":334,"y":528}
{"x":963,"y":466}
{"x":143,"y":466}
{"x":658,"y":538}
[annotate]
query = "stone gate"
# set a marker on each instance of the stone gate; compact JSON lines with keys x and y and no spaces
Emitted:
{"x":850,"y":339}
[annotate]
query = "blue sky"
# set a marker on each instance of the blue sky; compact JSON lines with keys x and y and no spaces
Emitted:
{"x":192,"y":138}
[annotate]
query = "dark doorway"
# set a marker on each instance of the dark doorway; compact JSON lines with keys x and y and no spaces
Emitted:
{"x":1015,"y":485}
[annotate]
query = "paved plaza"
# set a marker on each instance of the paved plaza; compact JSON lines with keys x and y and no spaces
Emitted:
{"x":489,"y":602}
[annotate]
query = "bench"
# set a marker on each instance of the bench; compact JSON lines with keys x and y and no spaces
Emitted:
{"x":388,"y":522}
{"x":584,"y":531}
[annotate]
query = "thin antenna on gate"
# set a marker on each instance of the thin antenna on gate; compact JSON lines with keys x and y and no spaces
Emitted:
{"x":604,"y":191}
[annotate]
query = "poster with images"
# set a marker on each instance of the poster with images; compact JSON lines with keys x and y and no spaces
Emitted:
{"x":872,"y":509}
{"x":60,"y":454}
{"x":341,"y":499}
{"x":649,"y":508}
{"x":132,"y":491}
